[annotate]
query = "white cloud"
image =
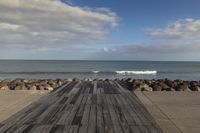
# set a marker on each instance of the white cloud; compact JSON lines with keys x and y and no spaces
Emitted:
{"x":180,"y":29}
{"x":49,"y":23}
{"x":178,"y":41}
{"x":105,"y":49}
{"x":9,"y":26}
{"x":174,"y":50}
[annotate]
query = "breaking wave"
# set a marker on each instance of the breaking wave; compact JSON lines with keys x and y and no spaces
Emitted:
{"x":136,"y":72}
{"x":126,"y":72}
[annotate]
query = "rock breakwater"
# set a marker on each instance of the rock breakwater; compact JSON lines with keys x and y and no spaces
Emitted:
{"x":160,"y":85}
{"x":23,"y":84}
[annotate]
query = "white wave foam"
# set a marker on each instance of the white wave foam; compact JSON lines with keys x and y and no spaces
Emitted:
{"x":136,"y":72}
{"x":95,"y":71}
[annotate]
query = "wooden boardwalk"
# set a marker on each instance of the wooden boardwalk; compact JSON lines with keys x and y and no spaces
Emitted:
{"x":84,"y":107}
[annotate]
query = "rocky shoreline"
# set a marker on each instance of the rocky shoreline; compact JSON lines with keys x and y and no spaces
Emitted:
{"x":131,"y":84}
{"x":161,"y":85}
{"x":23,"y":84}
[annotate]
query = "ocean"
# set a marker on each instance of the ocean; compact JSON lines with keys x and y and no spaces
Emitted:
{"x":52,"y":69}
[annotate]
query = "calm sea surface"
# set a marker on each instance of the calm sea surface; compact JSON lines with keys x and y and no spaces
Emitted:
{"x":11,"y":69}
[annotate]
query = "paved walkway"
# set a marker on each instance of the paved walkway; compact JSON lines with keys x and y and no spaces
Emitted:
{"x":13,"y":101}
{"x":175,"y":112}
{"x":84,"y":107}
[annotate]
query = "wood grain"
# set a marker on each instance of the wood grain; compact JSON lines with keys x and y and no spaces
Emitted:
{"x":84,"y":107}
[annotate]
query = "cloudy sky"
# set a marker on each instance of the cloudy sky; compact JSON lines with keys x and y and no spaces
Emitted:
{"x":100,"y":29}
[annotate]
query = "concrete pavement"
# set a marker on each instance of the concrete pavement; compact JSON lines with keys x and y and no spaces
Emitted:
{"x":12,"y":101}
{"x":174,"y":111}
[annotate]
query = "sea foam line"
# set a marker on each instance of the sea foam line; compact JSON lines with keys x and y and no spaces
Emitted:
{"x":95,"y":71}
{"x":136,"y":72}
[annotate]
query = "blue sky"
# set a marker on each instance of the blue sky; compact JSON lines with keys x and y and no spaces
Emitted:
{"x":136,"y":15}
{"x":100,"y":29}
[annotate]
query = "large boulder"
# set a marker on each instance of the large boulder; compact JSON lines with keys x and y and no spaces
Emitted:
{"x":33,"y":87}
{"x":156,"y":87}
{"x":75,"y":79}
{"x":40,"y":87}
{"x":107,"y":80}
{"x":5,"y":83}
{"x":20,"y":87}
{"x":43,"y":82}
{"x":48,"y":87}
{"x":137,"y":82}
{"x":26,"y":81}
{"x":143,"y":87}
{"x":54,"y":85}
{"x":163,"y":86}
{"x":169,"y":83}
{"x":4,"y":87}
{"x":194,"y":86}
{"x":183,"y":87}
{"x":149,"y":82}
{"x":68,"y":80}
{"x":129,"y":80}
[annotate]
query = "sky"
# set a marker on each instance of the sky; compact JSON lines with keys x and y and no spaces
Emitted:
{"x":160,"y":30}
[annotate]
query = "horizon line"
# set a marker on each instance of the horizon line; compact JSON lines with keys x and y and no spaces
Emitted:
{"x":97,"y":60}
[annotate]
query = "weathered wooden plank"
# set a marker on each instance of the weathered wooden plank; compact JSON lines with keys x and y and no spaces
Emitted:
{"x":135,"y":129}
{"x":114,"y":116}
{"x":57,"y":129}
{"x":20,"y":129}
{"x":73,"y":129}
{"x":66,"y":112}
{"x":85,"y":119}
{"x":99,"y":99}
{"x":72,"y":114}
{"x":137,"y":109}
{"x":100,"y":121}
{"x":154,"y":129}
{"x":44,"y":129}
{"x":107,"y":120}
{"x":144,"y":129}
{"x":109,"y":126}
{"x":92,"y":127}
{"x":124,"y":108}
{"x":84,"y":107}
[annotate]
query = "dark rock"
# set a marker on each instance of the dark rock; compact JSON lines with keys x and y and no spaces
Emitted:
{"x":170,"y":89}
{"x":129,"y":80}
{"x":137,"y":82}
{"x":107,"y":80}
{"x":75,"y":79}
{"x":156,"y":87}
{"x":183,"y":87}
{"x":43,"y":82}
{"x":40,"y":87}
{"x":33,"y":88}
{"x":169,"y":83}
{"x":96,"y":79}
{"x":21,"y":87}
{"x":195,"y":88}
{"x":5,"y":83}
{"x":164,"y":86}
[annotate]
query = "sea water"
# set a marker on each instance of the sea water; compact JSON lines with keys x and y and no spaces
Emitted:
{"x":52,"y":69}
